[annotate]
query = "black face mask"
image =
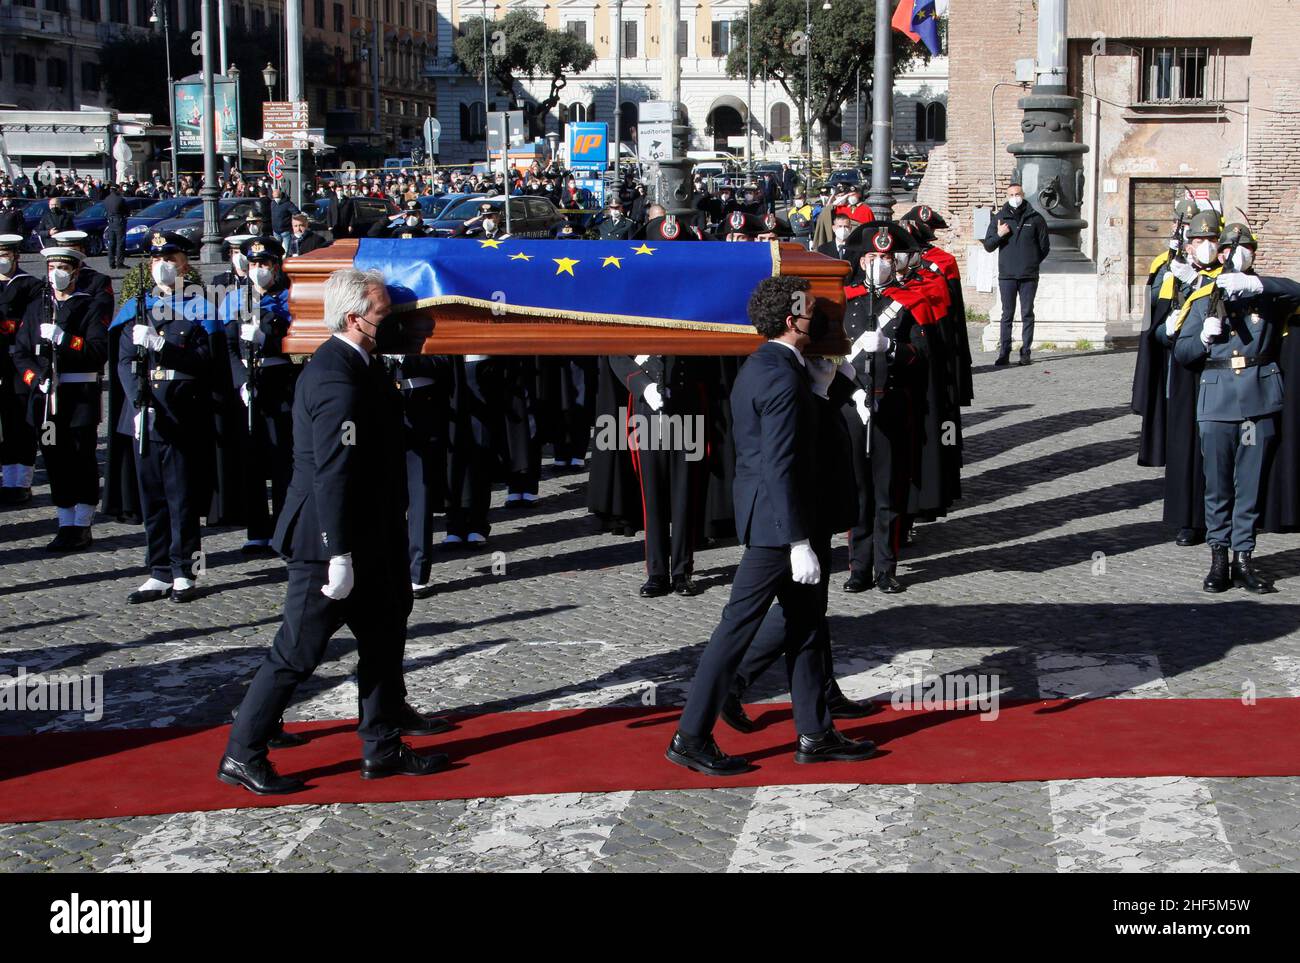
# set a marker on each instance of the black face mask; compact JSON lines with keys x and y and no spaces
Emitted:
{"x":818,"y":325}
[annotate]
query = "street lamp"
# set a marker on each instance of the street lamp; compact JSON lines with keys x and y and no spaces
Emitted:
{"x":171,"y":93}
{"x":232,"y":72}
{"x":505,"y":151}
{"x":269,"y":76}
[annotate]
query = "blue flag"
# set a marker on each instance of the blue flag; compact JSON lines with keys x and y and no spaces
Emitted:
{"x":926,"y":25}
{"x":695,"y":285}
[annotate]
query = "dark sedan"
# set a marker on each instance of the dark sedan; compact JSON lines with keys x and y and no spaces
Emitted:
{"x":93,"y":221}
{"x":231,"y":214}
{"x":139,"y":224}
{"x":529,"y":216}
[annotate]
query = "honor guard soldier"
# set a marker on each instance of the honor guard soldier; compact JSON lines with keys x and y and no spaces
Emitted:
{"x":163,"y":367}
{"x":17,"y":439}
{"x":256,"y":319}
{"x":889,"y":353}
{"x":229,"y":414}
{"x":89,"y":281}
{"x":1230,"y":336}
{"x":927,"y":222}
{"x":60,"y":351}
{"x":115,"y":213}
{"x":1184,"y":503}
{"x":615,"y":226}
{"x":487,"y":223}
{"x":254,"y":224}
{"x":411,"y":223}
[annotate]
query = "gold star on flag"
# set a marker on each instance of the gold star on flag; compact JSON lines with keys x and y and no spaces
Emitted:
{"x":612,"y":260}
{"x":565,"y":265}
{"x":521,"y":256}
{"x":643,"y":249}
{"x":490,"y":242}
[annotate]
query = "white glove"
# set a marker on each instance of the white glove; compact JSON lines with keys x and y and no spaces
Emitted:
{"x":653,"y":398}
{"x":340,"y":578}
{"x":822,"y":372}
{"x":864,"y":409}
{"x":1238,"y":285}
{"x":45,"y":386}
{"x":1175,"y":243}
{"x":1183,"y":271}
{"x":1211,"y":329}
{"x":245,"y":394}
{"x":870,"y":342}
{"x":247,"y":332}
{"x":142,"y":336}
{"x":52,"y":333}
{"x":804,"y":566}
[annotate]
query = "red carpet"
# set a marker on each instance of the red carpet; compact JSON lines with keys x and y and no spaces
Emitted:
{"x":82,"y":775}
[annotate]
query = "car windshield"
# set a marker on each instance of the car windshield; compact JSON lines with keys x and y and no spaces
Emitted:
{"x":469,"y":208}
{"x":168,"y":208}
{"x":94,"y":210}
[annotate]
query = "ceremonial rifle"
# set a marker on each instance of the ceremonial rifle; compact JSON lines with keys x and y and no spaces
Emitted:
{"x":143,"y":391}
{"x":52,"y":396}
{"x":249,"y":349}
{"x":1217,"y":307}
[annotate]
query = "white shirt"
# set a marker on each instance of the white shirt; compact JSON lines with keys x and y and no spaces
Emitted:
{"x":354,"y":346}
{"x":797,"y":353}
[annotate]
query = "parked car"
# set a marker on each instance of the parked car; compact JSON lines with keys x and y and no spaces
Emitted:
{"x":231,"y":214}
{"x":432,"y":206}
{"x":529,"y":216}
{"x":140,"y":224}
{"x":367,"y":210}
{"x":848,"y":175}
{"x":35,"y":210}
{"x":93,"y":222}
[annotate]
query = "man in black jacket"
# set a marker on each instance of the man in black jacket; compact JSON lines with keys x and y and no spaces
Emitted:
{"x":55,"y":218}
{"x":343,"y":531}
{"x":1019,"y":234}
{"x":777,"y":495}
{"x":115,"y":212}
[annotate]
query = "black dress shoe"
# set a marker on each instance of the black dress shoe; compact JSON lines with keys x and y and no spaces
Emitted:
{"x":1219,"y":578}
{"x":259,"y":777}
{"x":80,"y":539}
{"x":424,"y":591}
{"x":655,"y":586}
{"x":15,"y":496}
{"x":283,"y":739}
{"x":412,"y":722}
{"x":180,"y":596}
{"x":886,"y":582}
{"x":685,"y":586}
{"x":148,"y":595}
{"x":1190,"y":536}
{"x":733,"y":714}
{"x":858,"y":581}
{"x":1244,"y":575}
{"x":833,"y":746}
{"x":63,"y":539}
{"x":1024,"y":361}
{"x":842,"y":707}
{"x":404,"y":762}
{"x":703,"y":755}
{"x":1002,"y":360}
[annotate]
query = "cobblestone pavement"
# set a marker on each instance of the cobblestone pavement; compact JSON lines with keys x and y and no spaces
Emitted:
{"x":1054,"y":574}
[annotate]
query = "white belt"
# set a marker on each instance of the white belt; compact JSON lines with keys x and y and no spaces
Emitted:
{"x":79,"y":377}
{"x":169,"y":374}
{"x":414,"y":383}
{"x":266,"y":362}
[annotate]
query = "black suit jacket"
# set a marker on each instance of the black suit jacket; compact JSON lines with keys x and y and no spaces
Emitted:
{"x":348,"y":492}
{"x":829,"y":250}
{"x":776,"y":430}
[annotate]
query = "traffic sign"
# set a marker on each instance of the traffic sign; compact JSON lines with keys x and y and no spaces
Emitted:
{"x":275,"y":167}
{"x":284,"y":124}
{"x":432,"y":131}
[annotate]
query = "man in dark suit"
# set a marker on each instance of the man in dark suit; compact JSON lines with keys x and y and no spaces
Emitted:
{"x":302,"y":239}
{"x":842,"y":227}
{"x":115,"y":214}
{"x":787,"y":553}
{"x":343,"y":531}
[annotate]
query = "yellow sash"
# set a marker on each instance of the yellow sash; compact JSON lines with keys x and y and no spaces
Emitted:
{"x":1187,"y":305}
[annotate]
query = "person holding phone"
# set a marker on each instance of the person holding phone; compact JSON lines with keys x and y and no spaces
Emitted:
{"x":1019,"y":234}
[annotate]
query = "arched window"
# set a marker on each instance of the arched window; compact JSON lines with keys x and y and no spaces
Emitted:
{"x":936,"y":116}
{"x":779,"y":124}
{"x":920,"y":121}
{"x":473,"y":121}
{"x":577,"y":112}
{"x":627,"y":122}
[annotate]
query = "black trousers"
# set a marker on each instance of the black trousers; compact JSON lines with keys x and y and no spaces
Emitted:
{"x":877,"y":534}
{"x":422,"y":486}
{"x":310,"y":620}
{"x":1010,"y":289}
{"x":71,"y":466}
{"x":769,"y":645}
{"x":170,"y":490}
{"x":469,"y":489}
{"x":17,"y":437}
{"x":762,"y":577}
{"x":269,"y":455}
{"x":672,"y":497}
{"x":115,"y":244}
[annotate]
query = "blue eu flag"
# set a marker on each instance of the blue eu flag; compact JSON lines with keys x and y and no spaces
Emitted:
{"x":926,"y":25}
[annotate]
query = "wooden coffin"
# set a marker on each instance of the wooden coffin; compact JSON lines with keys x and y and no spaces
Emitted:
{"x":466,"y":329}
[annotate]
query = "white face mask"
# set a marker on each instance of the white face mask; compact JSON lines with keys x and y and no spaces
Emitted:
{"x":842,"y":233}
{"x":60,"y":278}
{"x":490,"y":226}
{"x":164,"y":274}
{"x":1241,"y":260}
{"x":1015,"y":201}
{"x":262,"y":276}
{"x":1205,"y":252}
{"x":880,"y":271}
{"x":901,"y":263}
{"x":412,"y":221}
{"x":239,"y":262}
{"x":6,"y":265}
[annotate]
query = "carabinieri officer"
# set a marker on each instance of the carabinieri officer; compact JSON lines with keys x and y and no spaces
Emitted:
{"x":163,"y":368}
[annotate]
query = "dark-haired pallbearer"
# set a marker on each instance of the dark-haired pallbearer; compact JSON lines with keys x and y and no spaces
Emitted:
{"x":60,"y":352}
{"x":17,"y":439}
{"x":163,"y":366}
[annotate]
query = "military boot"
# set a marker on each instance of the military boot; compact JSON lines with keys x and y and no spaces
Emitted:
{"x":1244,"y":576}
{"x":1219,"y":580}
